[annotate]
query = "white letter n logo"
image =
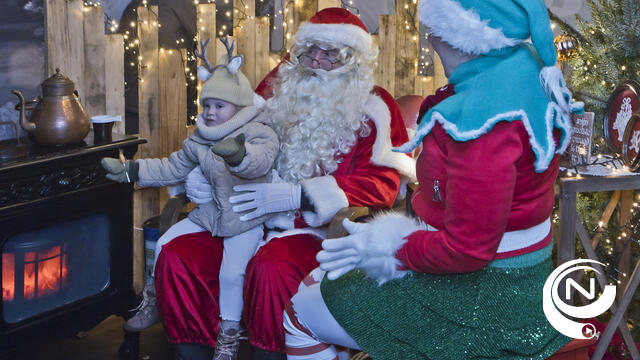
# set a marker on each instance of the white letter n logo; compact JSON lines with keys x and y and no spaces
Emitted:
{"x":589,"y":295}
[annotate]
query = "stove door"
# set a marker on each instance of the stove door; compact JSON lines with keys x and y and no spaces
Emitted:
{"x":50,"y":267}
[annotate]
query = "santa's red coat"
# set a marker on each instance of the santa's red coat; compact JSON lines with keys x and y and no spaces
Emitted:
{"x":187,"y":268}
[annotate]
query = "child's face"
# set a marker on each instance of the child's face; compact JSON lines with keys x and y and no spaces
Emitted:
{"x":217,"y":111}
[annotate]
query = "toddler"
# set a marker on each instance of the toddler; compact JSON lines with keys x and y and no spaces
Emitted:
{"x":232,"y":146}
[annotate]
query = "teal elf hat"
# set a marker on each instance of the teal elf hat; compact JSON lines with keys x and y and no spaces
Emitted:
{"x":481,"y":26}
{"x":498,"y":31}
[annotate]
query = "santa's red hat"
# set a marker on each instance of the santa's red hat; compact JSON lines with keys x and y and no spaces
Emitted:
{"x":337,"y":27}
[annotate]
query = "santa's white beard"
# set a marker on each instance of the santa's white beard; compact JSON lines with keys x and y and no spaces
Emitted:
{"x":318,"y":116}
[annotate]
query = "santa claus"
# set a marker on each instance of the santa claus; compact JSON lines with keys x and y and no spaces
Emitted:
{"x":336,"y":131}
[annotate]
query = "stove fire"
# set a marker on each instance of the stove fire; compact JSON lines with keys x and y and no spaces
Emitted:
{"x":44,"y":272}
{"x":8,"y":277}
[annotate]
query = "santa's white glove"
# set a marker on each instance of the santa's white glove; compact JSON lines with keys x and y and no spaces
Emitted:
{"x":265,"y":198}
{"x":341,"y":255}
{"x":197,"y":187}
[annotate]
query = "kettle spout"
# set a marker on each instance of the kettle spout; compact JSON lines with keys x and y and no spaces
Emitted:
{"x":26,"y":125}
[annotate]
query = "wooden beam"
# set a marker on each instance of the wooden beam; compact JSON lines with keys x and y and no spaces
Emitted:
{"x":206,"y":29}
{"x":424,"y":86}
{"x":114,"y":79}
{"x":439,"y":78}
{"x":94,"y":61}
{"x":623,"y":247}
{"x":406,"y":47}
{"x":245,"y":33}
{"x":148,"y":82}
{"x":304,"y":10}
{"x":385,"y":73}
{"x":323,"y":4}
{"x":263,"y":65}
{"x":173,"y":105}
{"x":146,"y":201}
{"x":64,"y":40}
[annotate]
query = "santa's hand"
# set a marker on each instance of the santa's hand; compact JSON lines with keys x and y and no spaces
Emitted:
{"x":198,"y":187}
{"x":341,"y":255}
{"x":265,"y":198}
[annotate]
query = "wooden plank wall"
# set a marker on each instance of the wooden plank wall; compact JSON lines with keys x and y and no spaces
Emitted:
{"x":64,"y":40}
{"x":146,"y":202}
{"x":323,"y":4}
{"x":386,"y":70}
{"x":206,"y":29}
{"x":263,"y":63}
{"x":94,"y":61}
{"x":114,"y":79}
{"x":245,"y":31}
{"x":252,"y":34}
{"x":172,"y":105}
{"x":397,"y":59}
{"x":406,"y":48}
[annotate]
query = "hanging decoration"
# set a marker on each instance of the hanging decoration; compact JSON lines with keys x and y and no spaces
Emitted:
{"x":566,"y":46}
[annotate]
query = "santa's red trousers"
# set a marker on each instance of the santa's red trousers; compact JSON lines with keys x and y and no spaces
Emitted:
{"x":187,"y":287}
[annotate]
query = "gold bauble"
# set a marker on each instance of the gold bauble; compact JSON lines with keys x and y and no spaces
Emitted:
{"x":566,"y":46}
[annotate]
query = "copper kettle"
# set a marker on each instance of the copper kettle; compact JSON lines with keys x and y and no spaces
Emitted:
{"x":57,"y":117}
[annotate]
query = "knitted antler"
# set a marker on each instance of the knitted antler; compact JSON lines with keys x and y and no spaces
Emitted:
{"x":205,"y":70}
{"x":225,"y":41}
{"x":234,"y":61}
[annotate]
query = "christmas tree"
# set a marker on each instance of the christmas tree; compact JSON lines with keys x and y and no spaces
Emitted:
{"x":608,"y":52}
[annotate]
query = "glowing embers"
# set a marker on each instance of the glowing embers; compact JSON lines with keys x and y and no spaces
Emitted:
{"x":8,"y":276}
{"x":40,"y":274}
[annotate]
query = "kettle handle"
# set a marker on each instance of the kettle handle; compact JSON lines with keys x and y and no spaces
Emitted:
{"x":26,"y":125}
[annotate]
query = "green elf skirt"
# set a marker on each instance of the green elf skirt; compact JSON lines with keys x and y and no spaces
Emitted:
{"x":494,"y":313}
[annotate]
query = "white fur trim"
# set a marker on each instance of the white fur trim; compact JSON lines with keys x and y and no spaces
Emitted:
{"x":341,"y":34}
{"x":327,"y":199}
{"x":284,"y":221}
{"x":519,"y":239}
{"x":461,"y":28}
{"x":376,"y":109}
{"x":387,"y":233}
{"x":543,"y":155}
{"x":320,"y":233}
{"x":258,"y":101}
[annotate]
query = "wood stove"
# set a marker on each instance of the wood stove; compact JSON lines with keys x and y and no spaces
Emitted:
{"x":65,"y":239}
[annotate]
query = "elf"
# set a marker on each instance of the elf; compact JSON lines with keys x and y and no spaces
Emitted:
{"x":465,"y":280}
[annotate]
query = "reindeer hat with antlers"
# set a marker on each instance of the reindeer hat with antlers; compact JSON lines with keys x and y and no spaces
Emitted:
{"x":224,"y":81}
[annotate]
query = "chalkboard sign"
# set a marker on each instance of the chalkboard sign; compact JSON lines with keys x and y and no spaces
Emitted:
{"x":579,"y":149}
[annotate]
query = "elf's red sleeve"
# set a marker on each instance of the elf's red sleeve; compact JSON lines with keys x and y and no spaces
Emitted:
{"x":477,"y":190}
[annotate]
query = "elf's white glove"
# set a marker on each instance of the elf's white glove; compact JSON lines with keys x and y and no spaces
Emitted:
{"x":341,"y":255}
{"x":369,"y":246}
{"x":265,"y":198}
{"x":197,"y":187}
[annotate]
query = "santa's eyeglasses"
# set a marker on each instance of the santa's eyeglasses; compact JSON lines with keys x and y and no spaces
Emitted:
{"x":315,"y":57}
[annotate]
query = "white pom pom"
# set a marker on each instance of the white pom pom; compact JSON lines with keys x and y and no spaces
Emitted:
{"x":203,"y":73}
